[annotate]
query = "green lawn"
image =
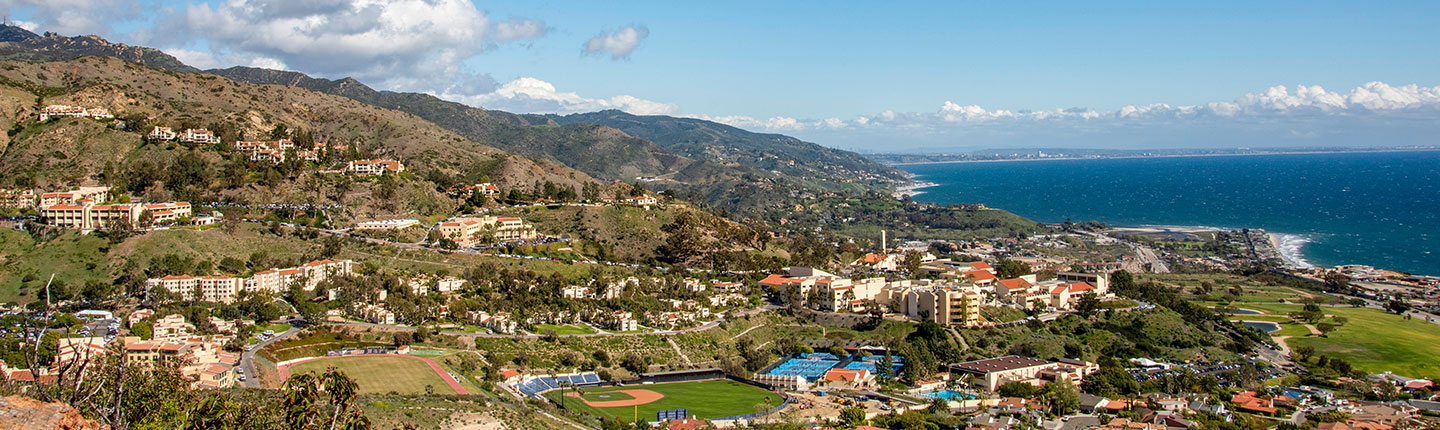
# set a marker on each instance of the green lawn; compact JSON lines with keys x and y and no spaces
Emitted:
{"x":563,"y":329}
{"x":1001,"y":314}
{"x":704,"y":399}
{"x":278,"y":328}
{"x":1372,"y":340}
{"x":381,"y":374}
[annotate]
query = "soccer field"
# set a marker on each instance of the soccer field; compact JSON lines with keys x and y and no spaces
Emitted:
{"x":705,"y":399}
{"x":380,"y":374}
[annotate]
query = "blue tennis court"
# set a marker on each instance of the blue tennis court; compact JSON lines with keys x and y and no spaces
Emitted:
{"x":806,"y":368}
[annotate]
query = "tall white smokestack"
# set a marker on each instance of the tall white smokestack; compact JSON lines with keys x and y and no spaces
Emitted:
{"x":883,"y":247}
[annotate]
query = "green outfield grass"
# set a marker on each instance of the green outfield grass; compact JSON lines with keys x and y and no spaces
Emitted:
{"x":563,"y":329}
{"x":704,"y":399}
{"x":1372,"y":340}
{"x":381,"y":374}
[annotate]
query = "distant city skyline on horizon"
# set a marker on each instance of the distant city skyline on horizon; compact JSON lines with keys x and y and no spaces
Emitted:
{"x":886,"y":78}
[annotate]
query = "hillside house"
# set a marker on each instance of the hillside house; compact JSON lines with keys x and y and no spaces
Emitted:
{"x":198,"y":136}
{"x":374,"y":167}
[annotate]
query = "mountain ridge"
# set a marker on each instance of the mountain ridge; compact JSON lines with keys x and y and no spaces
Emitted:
{"x":711,"y":163}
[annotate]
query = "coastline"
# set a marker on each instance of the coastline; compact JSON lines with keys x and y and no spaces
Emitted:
{"x":911,"y":189}
{"x":1289,"y":246}
{"x":1127,"y":157}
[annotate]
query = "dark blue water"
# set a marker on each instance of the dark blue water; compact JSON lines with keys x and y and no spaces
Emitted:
{"x":1380,"y":209}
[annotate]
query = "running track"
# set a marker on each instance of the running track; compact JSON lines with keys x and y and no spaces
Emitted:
{"x":444,"y":375}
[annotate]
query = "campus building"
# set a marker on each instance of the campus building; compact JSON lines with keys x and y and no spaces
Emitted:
{"x":87,"y":215}
{"x":199,"y":136}
{"x":991,"y":373}
{"x":948,"y":304}
{"x":226,"y":289}
{"x":471,"y":230}
{"x":64,"y":111}
{"x":374,"y":167}
{"x":17,"y":198}
{"x":75,"y":196}
{"x":161,"y":134}
{"x":389,"y":224}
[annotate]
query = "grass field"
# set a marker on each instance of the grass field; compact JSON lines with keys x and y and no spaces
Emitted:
{"x":1372,"y":340}
{"x":278,"y":328}
{"x":563,"y":329}
{"x":704,"y":399}
{"x":381,"y":374}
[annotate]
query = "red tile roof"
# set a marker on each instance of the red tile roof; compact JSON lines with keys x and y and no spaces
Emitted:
{"x":1078,"y":287}
{"x":980,"y":275}
{"x":1015,"y":284}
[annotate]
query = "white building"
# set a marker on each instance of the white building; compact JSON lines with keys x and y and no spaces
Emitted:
{"x":388,"y":224}
{"x":375,"y":167}
{"x":226,"y":289}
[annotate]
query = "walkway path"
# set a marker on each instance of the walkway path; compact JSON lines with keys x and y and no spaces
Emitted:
{"x":671,"y":340}
{"x":444,"y":374}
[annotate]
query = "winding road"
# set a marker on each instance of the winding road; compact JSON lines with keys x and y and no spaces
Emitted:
{"x":247,"y":358}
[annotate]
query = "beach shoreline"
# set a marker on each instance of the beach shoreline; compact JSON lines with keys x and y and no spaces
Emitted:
{"x":911,"y":189}
{"x":1291,"y":249}
{"x":1289,"y":246}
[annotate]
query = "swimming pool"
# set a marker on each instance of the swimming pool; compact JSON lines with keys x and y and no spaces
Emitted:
{"x":1265,"y":326}
{"x":950,"y":395}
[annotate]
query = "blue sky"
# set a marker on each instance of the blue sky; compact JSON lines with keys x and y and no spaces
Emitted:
{"x":867,"y":76}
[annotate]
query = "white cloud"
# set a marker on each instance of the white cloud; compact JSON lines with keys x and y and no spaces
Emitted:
{"x":531,"y":95}
{"x":772,"y":124}
{"x":73,"y":17}
{"x":1375,"y":113}
{"x":619,"y":43}
{"x":1277,"y":101}
{"x":521,"y":29}
{"x":209,"y":60}
{"x":406,"y":45}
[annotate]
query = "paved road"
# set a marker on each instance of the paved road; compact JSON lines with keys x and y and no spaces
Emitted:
{"x":1147,"y":256}
{"x":247,"y":359}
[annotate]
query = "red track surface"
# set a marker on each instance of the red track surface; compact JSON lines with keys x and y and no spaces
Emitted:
{"x":444,"y":376}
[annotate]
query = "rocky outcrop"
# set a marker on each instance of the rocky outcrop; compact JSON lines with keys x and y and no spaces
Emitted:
{"x":19,"y":412}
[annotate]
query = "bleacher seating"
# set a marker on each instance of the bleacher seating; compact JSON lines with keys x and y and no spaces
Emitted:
{"x":538,"y":385}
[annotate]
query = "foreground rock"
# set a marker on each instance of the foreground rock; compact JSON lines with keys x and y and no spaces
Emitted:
{"x":19,"y":412}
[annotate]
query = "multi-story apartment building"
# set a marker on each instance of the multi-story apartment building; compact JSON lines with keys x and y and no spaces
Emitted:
{"x":826,"y":291}
{"x":485,"y":189}
{"x":63,"y":111}
{"x":374,"y":313}
{"x":17,"y":198}
{"x":226,"y":289}
{"x":94,"y":194}
{"x":470,"y":230}
{"x":161,"y":134}
{"x":199,"y":136}
{"x":375,"y":167}
{"x":87,"y":215}
{"x":201,"y":359}
{"x":388,"y":224}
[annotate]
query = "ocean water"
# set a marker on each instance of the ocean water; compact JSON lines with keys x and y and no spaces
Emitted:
{"x":1379,"y":209}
